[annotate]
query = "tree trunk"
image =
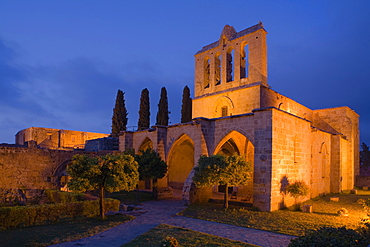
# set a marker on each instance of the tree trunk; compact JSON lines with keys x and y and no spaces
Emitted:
{"x":101,"y":203}
{"x":155,"y":186}
{"x":226,"y":197}
{"x":137,"y":194}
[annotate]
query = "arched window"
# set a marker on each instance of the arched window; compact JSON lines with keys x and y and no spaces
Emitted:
{"x":244,"y":61}
{"x":229,"y":66}
{"x":224,"y":111}
{"x":207,"y":72}
{"x":218,"y":77}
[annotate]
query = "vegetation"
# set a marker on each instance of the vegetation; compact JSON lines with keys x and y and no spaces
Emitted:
{"x":365,"y":155}
{"x":184,"y":237}
{"x":60,"y":232}
{"x":119,"y":119}
{"x":57,"y":196}
{"x":186,"y":107}
{"x":329,"y":236}
{"x":163,"y":113}
{"x":288,"y":221}
{"x":130,"y":197}
{"x":297,"y":190}
{"x":222,"y":170}
{"x":109,"y":172}
{"x":22,"y":216}
{"x":144,"y":111}
{"x":151,"y":167}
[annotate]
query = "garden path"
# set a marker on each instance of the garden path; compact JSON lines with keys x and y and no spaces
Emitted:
{"x":154,"y":213}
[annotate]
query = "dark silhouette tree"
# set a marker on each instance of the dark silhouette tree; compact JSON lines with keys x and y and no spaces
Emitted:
{"x":151,"y":167}
{"x":163,"y":113}
{"x":364,"y":155}
{"x":119,"y":119}
{"x":144,"y":111}
{"x":109,"y":172}
{"x":186,"y":108}
{"x":222,"y":170}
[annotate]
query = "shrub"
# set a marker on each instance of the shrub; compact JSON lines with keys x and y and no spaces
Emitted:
{"x":21,"y":216}
{"x":296,"y":190}
{"x":169,"y":242}
{"x":328,"y":236}
{"x":57,"y":196}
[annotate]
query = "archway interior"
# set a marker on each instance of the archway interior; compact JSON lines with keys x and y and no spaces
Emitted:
{"x":236,"y":143}
{"x":147,"y":143}
{"x":180,"y":163}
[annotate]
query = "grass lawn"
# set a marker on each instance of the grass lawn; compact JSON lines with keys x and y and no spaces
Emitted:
{"x":185,"y":237}
{"x":287,"y":221}
{"x":60,"y":232}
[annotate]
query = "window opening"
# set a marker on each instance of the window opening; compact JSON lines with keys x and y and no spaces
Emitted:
{"x":218,"y":70}
{"x":207,"y":73}
{"x":244,"y":62}
{"x":229,"y":66}
{"x":224,"y":112}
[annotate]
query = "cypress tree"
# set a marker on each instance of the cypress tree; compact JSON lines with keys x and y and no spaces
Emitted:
{"x":162,"y":114}
{"x":119,"y":119}
{"x":186,"y":108}
{"x":144,"y":111}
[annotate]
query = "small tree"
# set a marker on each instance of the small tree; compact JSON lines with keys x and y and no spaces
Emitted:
{"x":119,"y":119}
{"x":297,"y":189}
{"x":109,"y":172}
{"x":144,"y":111}
{"x":222,"y":170}
{"x":162,"y":115}
{"x":186,"y":107}
{"x":151,"y":167}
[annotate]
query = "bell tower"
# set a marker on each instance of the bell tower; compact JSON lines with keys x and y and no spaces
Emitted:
{"x":237,"y":60}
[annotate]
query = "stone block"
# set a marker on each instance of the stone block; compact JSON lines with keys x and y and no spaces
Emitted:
{"x":353,"y":191}
{"x":307,"y":208}
{"x":334,"y":199}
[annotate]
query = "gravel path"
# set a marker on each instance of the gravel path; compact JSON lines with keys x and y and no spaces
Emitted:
{"x":154,"y":213}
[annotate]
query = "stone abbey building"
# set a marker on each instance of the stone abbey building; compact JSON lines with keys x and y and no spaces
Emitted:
{"x":235,"y":111}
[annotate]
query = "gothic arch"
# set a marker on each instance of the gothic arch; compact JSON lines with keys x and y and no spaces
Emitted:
{"x":60,"y":174}
{"x":236,"y":143}
{"x":145,"y":144}
{"x":180,"y":161}
{"x":220,"y":105}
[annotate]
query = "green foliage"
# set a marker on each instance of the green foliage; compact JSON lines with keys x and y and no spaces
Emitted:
{"x":151,"y":165}
{"x":22,"y":216}
{"x":57,"y":196}
{"x":328,"y":236}
{"x":119,"y":119}
{"x":163,"y":113}
{"x":169,"y":242}
{"x":111,"y":172}
{"x":186,"y":107}
{"x":114,"y":172}
{"x":144,"y":111}
{"x":221,"y":170}
{"x":298,"y":189}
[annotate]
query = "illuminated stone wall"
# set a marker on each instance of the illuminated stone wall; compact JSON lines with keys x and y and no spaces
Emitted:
{"x":31,"y":168}
{"x":56,"y":138}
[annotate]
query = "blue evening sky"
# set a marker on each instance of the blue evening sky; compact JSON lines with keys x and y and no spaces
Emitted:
{"x":62,"y":62}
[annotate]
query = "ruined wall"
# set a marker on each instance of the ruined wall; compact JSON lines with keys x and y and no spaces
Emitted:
{"x":30,"y":168}
{"x":56,"y":138}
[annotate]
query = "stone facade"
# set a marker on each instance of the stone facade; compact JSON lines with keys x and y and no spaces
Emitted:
{"x":56,"y":138}
{"x":235,"y":111}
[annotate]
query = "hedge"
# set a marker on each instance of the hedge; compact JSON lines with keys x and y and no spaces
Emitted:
{"x":57,"y":196}
{"x":22,"y":216}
